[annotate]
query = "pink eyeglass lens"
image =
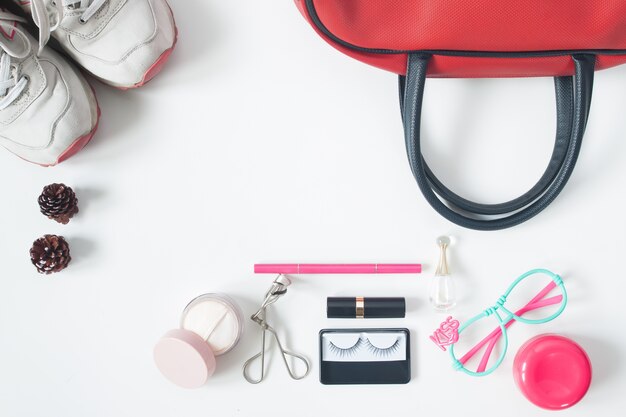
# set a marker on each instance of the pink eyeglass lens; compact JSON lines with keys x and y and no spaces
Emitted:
{"x":534,"y":298}
{"x":480,"y":344}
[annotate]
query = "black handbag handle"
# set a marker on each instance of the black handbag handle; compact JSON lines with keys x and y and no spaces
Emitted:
{"x":573,"y":104}
{"x":565,"y":110}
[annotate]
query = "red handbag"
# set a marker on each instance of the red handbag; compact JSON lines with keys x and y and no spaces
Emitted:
{"x":566,"y":39}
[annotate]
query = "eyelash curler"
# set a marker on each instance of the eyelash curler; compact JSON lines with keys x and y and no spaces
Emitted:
{"x":277,"y":290}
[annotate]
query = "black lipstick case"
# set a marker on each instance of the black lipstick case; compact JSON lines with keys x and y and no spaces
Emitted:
{"x":365,"y":307}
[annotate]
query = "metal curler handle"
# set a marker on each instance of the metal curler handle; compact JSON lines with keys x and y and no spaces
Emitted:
{"x":284,"y":353}
{"x":259,"y":318}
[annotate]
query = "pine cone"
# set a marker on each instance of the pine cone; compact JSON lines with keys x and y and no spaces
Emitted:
{"x":58,"y":202}
{"x":50,"y":253}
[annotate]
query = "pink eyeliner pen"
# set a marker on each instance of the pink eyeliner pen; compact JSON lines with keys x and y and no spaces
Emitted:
{"x":337,"y":268}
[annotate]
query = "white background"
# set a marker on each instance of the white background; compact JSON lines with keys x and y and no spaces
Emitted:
{"x":260,"y":143}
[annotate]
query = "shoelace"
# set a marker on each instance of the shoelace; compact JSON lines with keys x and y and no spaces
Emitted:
{"x":11,"y":82}
{"x":47,"y":14}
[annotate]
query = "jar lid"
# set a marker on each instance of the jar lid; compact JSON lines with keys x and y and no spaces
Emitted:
{"x":552,"y":371}
{"x":184,"y":358}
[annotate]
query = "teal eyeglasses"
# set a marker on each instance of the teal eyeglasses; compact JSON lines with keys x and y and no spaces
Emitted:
{"x":506,"y":319}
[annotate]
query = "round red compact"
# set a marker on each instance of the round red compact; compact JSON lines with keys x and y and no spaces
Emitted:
{"x":552,"y":371}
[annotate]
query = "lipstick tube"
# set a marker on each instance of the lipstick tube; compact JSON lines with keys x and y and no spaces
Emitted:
{"x":365,"y":307}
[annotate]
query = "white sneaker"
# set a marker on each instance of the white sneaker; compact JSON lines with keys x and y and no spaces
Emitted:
{"x":48,"y":112}
{"x":124,"y":43}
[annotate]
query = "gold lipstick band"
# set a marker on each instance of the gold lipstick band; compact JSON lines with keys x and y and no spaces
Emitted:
{"x":360,"y":307}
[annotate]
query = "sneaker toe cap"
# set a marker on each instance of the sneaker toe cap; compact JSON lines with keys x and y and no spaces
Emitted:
{"x":129,"y":45}
{"x":62,"y":113}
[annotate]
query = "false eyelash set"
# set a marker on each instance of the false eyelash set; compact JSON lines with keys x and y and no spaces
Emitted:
{"x":364,"y":343}
{"x":551,"y":371}
{"x":365,"y":356}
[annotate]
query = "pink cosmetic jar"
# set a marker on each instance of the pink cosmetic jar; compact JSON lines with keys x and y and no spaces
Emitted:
{"x":553,"y":372}
{"x":210,"y":326}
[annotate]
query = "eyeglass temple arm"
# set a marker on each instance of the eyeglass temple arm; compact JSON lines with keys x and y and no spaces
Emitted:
{"x":492,"y":338}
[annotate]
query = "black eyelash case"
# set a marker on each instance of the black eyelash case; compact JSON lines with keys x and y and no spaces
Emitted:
{"x":365,"y":356}
{"x":365,"y":307}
